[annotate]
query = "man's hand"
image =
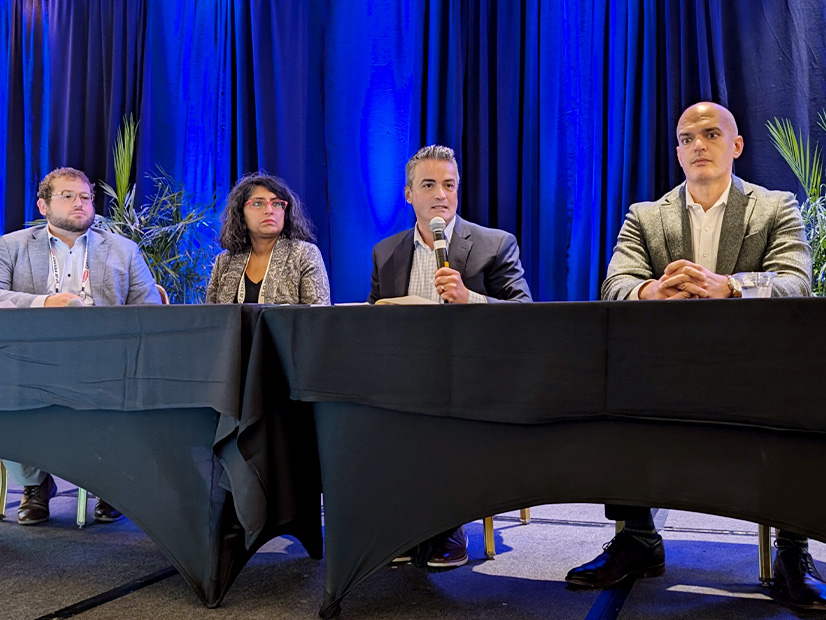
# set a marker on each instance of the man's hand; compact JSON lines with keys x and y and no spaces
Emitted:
{"x":450,"y":286}
{"x":59,"y":300}
{"x":683,"y":279}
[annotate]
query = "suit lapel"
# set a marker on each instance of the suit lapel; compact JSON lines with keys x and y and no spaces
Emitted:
{"x":98,"y":249}
{"x":733,"y":229}
{"x":232,"y":278}
{"x":402,"y":262}
{"x":676,"y":226}
{"x":38,"y":249}
{"x":459,"y":248}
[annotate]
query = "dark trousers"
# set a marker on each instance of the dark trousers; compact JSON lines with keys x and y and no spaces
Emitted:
{"x":616,"y":512}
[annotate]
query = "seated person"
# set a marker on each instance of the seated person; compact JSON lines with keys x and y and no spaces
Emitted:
{"x":67,"y":261}
{"x":685,"y":246}
{"x":484,"y":268}
{"x":269,"y":256}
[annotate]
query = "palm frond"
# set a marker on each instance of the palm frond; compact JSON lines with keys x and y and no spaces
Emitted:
{"x":805,"y":162}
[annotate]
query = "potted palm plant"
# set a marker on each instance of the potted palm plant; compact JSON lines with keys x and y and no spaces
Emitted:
{"x":176,"y":236}
{"x":806,"y":162}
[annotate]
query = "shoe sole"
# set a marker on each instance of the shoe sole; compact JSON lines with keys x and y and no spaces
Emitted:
{"x":648,"y":573}
{"x":108,"y":519}
{"x":780,"y":593}
{"x":453,"y":564}
{"x":32,"y":521}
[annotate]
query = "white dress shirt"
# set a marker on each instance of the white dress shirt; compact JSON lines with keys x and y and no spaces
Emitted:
{"x":424,"y":266}
{"x":70,"y":264}
{"x":705,"y":232}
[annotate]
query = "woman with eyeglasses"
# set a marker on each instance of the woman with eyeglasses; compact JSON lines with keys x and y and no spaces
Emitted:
{"x":269,"y":256}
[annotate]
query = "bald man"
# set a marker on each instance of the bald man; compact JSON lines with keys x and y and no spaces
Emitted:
{"x":686,"y":245}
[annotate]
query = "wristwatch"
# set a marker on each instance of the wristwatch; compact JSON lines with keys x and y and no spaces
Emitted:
{"x":734,"y":286}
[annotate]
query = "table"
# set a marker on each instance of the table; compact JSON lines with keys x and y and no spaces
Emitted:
{"x":428,"y":417}
{"x":143,"y":406}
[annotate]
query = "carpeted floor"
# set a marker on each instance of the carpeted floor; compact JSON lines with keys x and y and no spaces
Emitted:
{"x":55,"y":571}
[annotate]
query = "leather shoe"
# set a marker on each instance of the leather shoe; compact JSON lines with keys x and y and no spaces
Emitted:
{"x":34,"y":507}
{"x":624,"y":556}
{"x":450,"y":551}
{"x":797,"y":582}
{"x":106,"y":513}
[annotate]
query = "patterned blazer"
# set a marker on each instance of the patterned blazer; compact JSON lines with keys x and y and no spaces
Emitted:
{"x":762,"y":230}
{"x":296,"y":275}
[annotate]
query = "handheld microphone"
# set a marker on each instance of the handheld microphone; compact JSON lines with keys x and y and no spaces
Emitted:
{"x":74,"y":303}
{"x":437,"y":227}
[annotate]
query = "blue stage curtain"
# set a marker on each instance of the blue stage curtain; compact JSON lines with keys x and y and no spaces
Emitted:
{"x":562,"y":112}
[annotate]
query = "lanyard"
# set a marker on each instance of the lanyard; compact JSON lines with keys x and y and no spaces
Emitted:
{"x":56,"y":271}
{"x":242,"y":287}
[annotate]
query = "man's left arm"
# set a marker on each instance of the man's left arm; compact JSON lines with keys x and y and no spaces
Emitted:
{"x":142,"y":287}
{"x":505,"y":280}
{"x":787,"y":252}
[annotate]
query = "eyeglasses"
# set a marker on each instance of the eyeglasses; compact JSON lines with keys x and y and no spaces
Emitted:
{"x":70,"y":196}
{"x":260,"y":203}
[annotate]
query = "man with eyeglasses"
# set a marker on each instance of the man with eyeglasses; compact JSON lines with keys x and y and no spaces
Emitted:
{"x":67,"y":262}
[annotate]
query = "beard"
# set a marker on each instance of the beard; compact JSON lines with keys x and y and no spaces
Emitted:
{"x":70,"y":224}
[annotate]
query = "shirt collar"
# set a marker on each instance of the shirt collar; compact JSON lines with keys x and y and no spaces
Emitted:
{"x":417,"y":237}
{"x":723,"y":199}
{"x":83,"y":239}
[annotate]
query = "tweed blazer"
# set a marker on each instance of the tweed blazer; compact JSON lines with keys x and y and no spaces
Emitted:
{"x":118,"y":274}
{"x":487,"y":258}
{"x":296,"y":275}
{"x":762,"y":230}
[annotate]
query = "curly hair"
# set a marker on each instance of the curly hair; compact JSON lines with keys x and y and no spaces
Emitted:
{"x":45,"y":189}
{"x":234,"y":234}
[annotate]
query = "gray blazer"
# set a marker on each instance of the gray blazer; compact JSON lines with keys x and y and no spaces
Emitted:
{"x":762,"y":230}
{"x":487,"y":258}
{"x":296,"y":275}
{"x":118,"y":274}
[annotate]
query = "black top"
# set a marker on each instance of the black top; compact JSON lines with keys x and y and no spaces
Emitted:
{"x":252,"y":289}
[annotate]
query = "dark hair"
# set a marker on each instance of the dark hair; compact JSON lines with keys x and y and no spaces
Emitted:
{"x":234,"y":234}
{"x":434,"y":151}
{"x":45,"y":189}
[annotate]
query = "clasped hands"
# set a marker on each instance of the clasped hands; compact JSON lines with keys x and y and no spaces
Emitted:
{"x":449,"y":285}
{"x":683,"y":279}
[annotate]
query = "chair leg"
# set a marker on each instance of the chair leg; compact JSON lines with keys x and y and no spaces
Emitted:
{"x":764,"y":551}
{"x":4,"y":489}
{"x":525,"y":516}
{"x":490,"y":548}
{"x":82,"y":496}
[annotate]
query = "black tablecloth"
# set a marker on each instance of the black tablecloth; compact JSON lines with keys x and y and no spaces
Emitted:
{"x":137,"y":404}
{"x":428,"y":417}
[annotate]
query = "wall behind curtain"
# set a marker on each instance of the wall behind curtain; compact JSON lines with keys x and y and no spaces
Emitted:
{"x":562,"y":112}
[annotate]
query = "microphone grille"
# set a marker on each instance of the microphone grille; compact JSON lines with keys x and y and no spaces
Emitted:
{"x":437,"y":223}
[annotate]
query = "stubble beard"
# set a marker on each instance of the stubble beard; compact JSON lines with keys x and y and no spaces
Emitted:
{"x":71,"y":225}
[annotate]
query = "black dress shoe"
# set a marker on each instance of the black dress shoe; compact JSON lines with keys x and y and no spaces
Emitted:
{"x":34,"y":507}
{"x":796,"y":580}
{"x":449,"y":552}
{"x":106,"y":513}
{"x":623,"y":557}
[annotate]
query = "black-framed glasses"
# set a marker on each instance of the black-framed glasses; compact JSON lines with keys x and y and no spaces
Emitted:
{"x":259,"y":203}
{"x":70,"y":196}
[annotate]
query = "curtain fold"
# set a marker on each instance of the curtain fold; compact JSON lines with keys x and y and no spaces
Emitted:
{"x":562,"y":112}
